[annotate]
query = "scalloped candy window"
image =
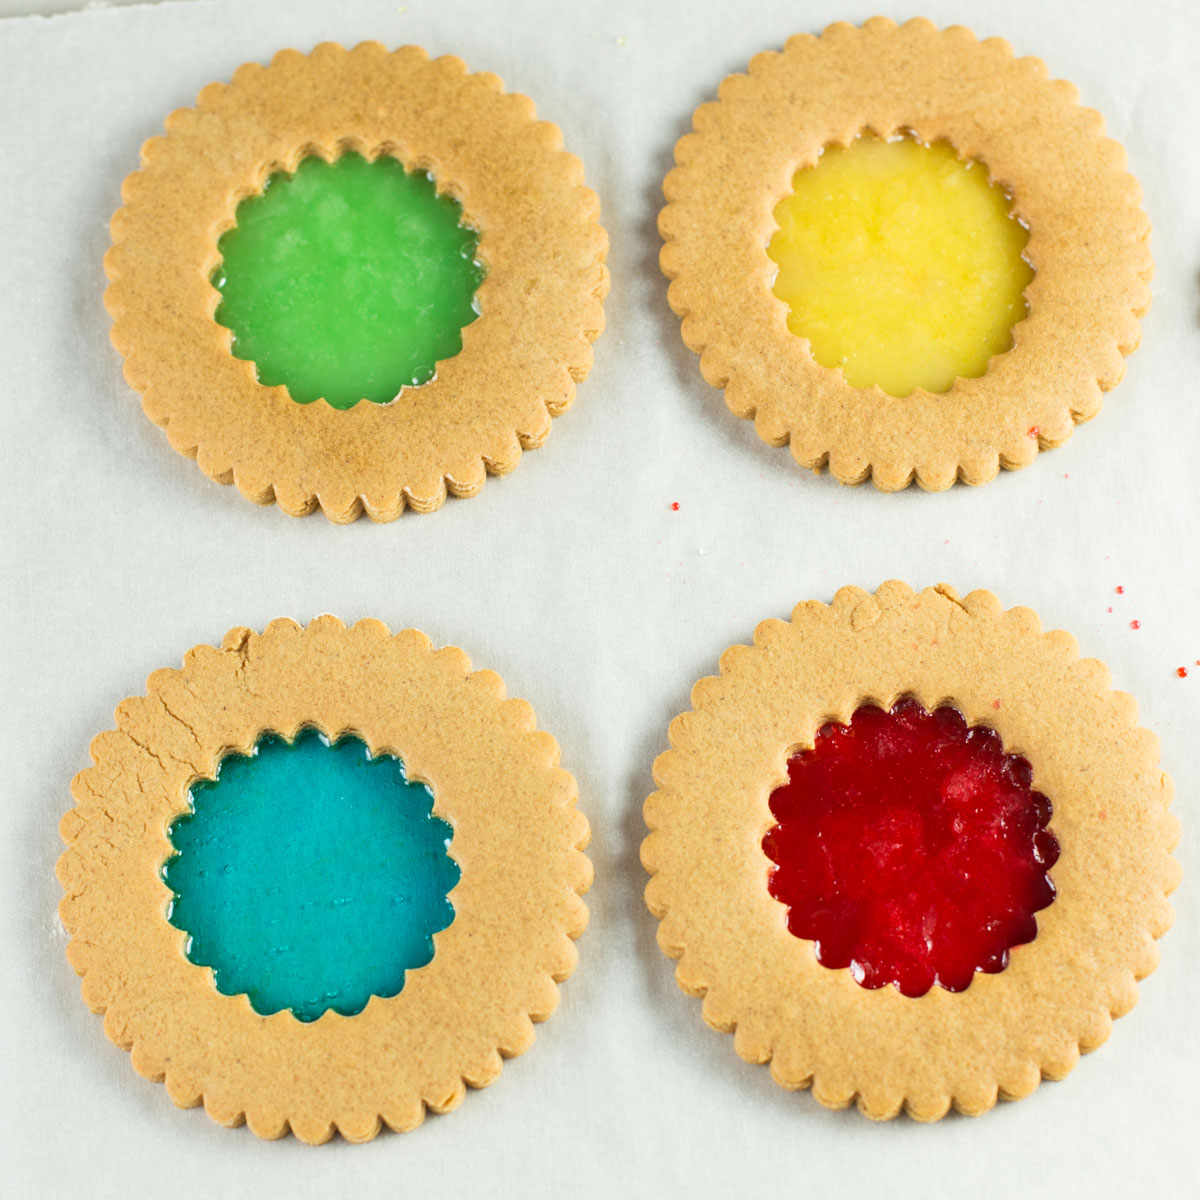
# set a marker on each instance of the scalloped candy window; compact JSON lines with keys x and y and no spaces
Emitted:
{"x":900,"y":263}
{"x":310,"y":876}
{"x":348,"y":280}
{"x":911,"y":848}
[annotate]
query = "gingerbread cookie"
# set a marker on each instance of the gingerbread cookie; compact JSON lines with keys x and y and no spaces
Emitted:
{"x":439,"y":913}
{"x":911,"y":851}
{"x":540,"y":250}
{"x":728,"y":201}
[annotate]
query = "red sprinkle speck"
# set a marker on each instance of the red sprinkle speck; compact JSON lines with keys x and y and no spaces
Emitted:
{"x":675,"y":506}
{"x":1135,"y":624}
{"x":1120,"y":590}
{"x":1182,"y":672}
{"x":1033,"y":431}
{"x":1108,"y":609}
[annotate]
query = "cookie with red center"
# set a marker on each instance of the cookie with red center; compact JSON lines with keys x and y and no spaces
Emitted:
{"x":911,"y":850}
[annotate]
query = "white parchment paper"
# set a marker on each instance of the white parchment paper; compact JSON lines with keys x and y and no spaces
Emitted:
{"x":576,"y":580}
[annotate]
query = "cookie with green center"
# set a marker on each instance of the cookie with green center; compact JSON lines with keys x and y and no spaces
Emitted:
{"x":905,"y":254}
{"x":356,"y":280}
{"x":911,"y":850}
{"x":322,"y":879}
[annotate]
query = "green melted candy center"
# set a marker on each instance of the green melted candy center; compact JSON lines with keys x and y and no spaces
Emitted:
{"x":310,"y":876}
{"x":347,"y":280}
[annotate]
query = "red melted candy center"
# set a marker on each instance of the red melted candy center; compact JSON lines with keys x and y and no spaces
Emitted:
{"x":911,"y":849}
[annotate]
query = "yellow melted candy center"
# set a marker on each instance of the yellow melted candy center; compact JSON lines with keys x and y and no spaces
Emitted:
{"x":900,"y":263}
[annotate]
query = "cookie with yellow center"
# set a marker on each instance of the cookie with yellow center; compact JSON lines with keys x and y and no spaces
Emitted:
{"x":905,"y":253}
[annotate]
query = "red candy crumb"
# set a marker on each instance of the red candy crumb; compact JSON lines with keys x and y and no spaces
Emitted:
{"x":1120,"y":590}
{"x":1181,"y":672}
{"x":1135,"y":624}
{"x":1033,"y":431}
{"x":911,"y":849}
{"x":675,"y":506}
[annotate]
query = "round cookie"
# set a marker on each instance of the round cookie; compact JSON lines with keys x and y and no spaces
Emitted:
{"x":517,"y":838}
{"x":817,"y":1026}
{"x":541,"y":303}
{"x":1088,"y":245}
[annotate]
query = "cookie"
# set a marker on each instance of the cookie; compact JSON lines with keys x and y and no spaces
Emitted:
{"x":502,"y":914}
{"x":1087,"y":246}
{"x":540,"y":303}
{"x":732,"y":887}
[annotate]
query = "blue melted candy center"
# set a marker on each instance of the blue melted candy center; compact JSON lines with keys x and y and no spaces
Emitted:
{"x":310,"y":876}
